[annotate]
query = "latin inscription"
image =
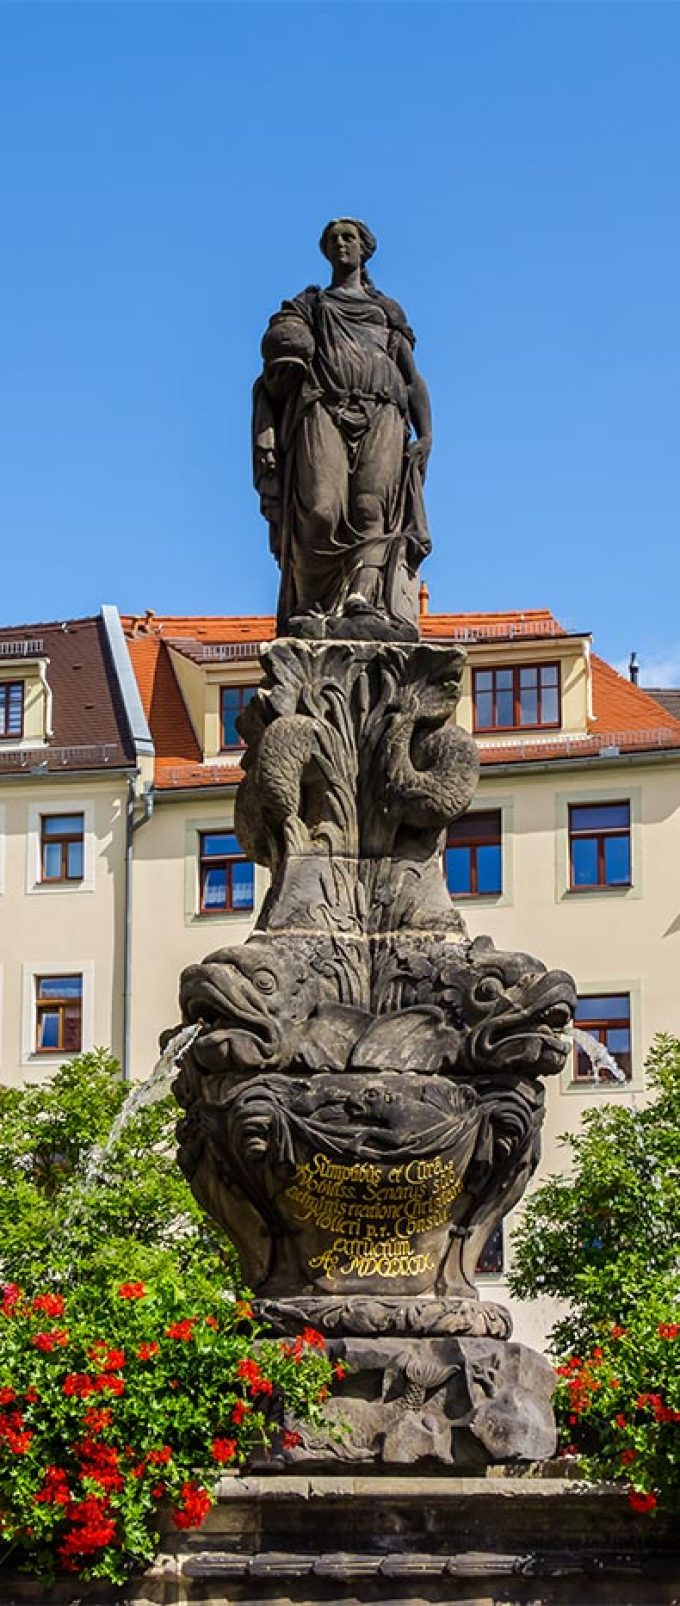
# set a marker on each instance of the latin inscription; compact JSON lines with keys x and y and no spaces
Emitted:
{"x":374,"y":1214}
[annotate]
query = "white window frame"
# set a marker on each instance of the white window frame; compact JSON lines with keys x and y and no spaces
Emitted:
{"x":55,"y":806}
{"x":54,"y":967}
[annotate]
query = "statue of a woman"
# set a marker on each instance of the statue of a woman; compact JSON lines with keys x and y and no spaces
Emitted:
{"x":341,"y":438}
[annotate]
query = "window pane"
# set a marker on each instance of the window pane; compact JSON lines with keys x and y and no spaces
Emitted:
{"x":74,"y":860}
{"x":215,"y":887}
{"x":62,"y":824}
{"x":242,"y":884}
{"x":48,"y":1029}
{"x":584,"y":861}
{"x":52,"y":861}
{"x":528,"y":705}
{"x":484,"y":680}
{"x":617,"y":860}
{"x":478,"y":825}
{"x":528,"y":676}
{"x":549,"y":675}
{"x":618,"y":1040}
{"x":219,"y":845}
{"x":60,"y":986}
{"x":491,"y":1258}
{"x":504,"y":680}
{"x":489,"y":869}
{"x":611,"y":1006}
{"x":550,"y":706}
{"x":458,"y":861}
{"x":504,"y":707}
{"x":484,"y":709}
{"x":599,"y":816}
{"x":11,"y":708}
{"x":71,"y":1029}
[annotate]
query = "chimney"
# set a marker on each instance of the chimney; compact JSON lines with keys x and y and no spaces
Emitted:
{"x":633,"y":669}
{"x":423,"y":599}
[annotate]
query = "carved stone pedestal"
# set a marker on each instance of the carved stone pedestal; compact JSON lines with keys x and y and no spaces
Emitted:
{"x":364,"y":1098}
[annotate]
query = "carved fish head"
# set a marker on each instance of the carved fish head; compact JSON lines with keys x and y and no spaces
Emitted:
{"x":247,"y":1000}
{"x":517,"y":1013}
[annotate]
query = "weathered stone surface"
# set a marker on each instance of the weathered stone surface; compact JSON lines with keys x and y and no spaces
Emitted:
{"x":339,"y":483}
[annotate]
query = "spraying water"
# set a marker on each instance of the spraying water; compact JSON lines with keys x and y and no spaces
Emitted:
{"x":600,"y":1058}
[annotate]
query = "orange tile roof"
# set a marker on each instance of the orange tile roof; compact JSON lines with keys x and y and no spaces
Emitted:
{"x":624,"y":715}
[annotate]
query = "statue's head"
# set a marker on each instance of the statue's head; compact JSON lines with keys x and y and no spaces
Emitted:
{"x":344,"y":234}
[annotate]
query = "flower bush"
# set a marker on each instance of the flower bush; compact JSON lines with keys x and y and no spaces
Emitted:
{"x":606,"y":1237}
{"x":132,"y":1370}
{"x":111,"y":1405}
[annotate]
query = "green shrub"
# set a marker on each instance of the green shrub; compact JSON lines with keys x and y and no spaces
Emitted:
{"x":131,"y":1367}
{"x":605,"y":1237}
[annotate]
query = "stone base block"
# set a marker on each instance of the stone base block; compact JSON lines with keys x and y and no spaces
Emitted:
{"x":428,"y":1402}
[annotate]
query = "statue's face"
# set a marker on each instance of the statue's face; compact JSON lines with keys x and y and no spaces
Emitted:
{"x":344,"y":246}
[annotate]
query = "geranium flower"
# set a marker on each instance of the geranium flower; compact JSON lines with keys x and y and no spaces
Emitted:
{"x":627,"y":1457}
{"x":211,"y":1321}
{"x":97,"y":1418}
{"x":46,"y":1342}
{"x":290,"y":1439}
{"x":132,"y":1291}
{"x":145,"y":1351}
{"x":55,"y":1490}
{"x":313,"y":1338}
{"x":223,"y":1450}
{"x":238,"y":1411}
{"x":668,"y":1329}
{"x":641,"y":1501}
{"x":49,"y":1304}
{"x":183,"y":1330}
{"x":11,"y":1296}
{"x":6,"y":1396}
{"x":244,"y":1310}
{"x":160,"y":1458}
{"x":79,"y":1384}
{"x":196,"y":1503}
{"x":339,"y":1371}
{"x":109,"y":1383}
{"x":617,"y":1332}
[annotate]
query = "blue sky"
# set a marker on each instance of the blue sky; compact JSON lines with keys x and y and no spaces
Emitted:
{"x":165,"y":173}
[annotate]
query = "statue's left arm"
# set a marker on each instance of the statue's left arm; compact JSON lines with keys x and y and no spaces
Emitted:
{"x":419,"y":410}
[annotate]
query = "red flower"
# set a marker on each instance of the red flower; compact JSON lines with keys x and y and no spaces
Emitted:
{"x":49,"y":1304}
{"x":289,"y":1439}
{"x":339,"y":1372}
{"x":248,"y":1370}
{"x":6,"y":1396}
{"x":668,"y":1329}
{"x":640,"y":1501}
{"x":315,"y":1339}
{"x":182,"y":1330}
{"x":158,"y":1490}
{"x":79,"y":1384}
{"x":11,"y":1295}
{"x":614,"y":1383}
{"x":244,"y":1310}
{"x":132,"y":1291}
{"x":46,"y":1342}
{"x":97,"y":1418}
{"x":109,"y":1384}
{"x":620,"y":1420}
{"x":55,"y":1490}
{"x":598,"y":1354}
{"x":239,"y":1410}
{"x":195,"y":1506}
{"x":160,"y":1458}
{"x":628,"y":1457}
{"x":211,"y":1321}
{"x":145,"y":1351}
{"x":617,"y":1332}
{"x":108,"y":1360}
{"x":31,"y":1396}
{"x":223,"y":1450}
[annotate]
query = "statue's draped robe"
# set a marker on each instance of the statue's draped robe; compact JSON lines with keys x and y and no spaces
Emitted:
{"x":334,"y":404}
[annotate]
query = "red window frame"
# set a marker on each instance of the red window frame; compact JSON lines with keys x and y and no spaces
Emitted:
{"x":6,"y":686}
{"x":470,"y":832}
{"x":600,"y":836}
{"x":62,"y":839}
{"x":244,"y":693}
{"x":599,"y":1028}
{"x":515,"y":670}
{"x":59,"y":1005}
{"x":213,"y":861}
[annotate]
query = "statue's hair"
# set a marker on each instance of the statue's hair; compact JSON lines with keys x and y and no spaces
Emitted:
{"x":368,"y":240}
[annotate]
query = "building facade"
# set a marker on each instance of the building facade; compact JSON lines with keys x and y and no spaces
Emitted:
{"x":119,"y":763}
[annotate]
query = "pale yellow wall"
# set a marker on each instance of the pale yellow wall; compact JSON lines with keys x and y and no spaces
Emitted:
{"x":168,"y":931}
{"x":200,"y":685}
{"x":614,"y":940}
{"x":36,"y":700}
{"x":51,"y":927}
{"x":571,"y":653}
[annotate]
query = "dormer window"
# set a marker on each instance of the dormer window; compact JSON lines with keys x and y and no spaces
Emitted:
{"x":11,"y":708}
{"x":520,"y":697}
{"x":233,"y":701}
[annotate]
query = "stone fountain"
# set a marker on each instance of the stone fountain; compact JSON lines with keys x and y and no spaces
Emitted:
{"x":364,"y":1097}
